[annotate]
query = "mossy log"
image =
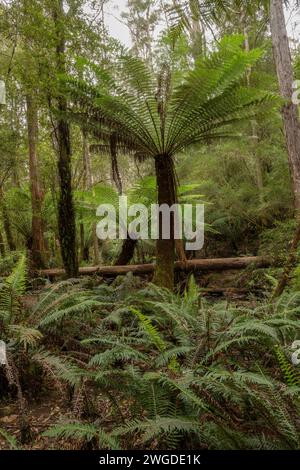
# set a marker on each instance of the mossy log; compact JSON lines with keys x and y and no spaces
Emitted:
{"x":197,"y":265}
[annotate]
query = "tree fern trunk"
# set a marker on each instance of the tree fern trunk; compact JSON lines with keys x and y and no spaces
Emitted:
{"x":165,"y":249}
{"x":66,"y":211}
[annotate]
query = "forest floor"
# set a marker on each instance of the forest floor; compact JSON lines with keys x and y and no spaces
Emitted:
{"x":40,"y":417}
{"x":49,"y":409}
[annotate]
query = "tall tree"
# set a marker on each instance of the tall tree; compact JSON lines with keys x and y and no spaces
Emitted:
{"x":291,"y":123}
{"x":66,"y":210}
{"x":142,"y":17}
{"x":37,"y":237}
{"x":290,"y":114}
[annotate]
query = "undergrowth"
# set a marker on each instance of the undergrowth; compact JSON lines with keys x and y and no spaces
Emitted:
{"x":151,"y":369}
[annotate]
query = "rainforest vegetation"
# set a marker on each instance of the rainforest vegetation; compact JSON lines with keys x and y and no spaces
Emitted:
{"x":139,"y":343}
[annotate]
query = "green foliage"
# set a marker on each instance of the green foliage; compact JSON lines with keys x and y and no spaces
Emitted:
{"x":9,"y":439}
{"x":193,"y":373}
{"x":83,"y":432}
{"x":196,"y":108}
{"x":288,"y":370}
{"x":12,"y":290}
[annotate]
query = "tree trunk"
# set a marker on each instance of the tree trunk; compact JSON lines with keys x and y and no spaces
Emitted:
{"x":289,"y":266}
{"x":126,"y":253}
{"x":96,"y":245}
{"x":6,"y":223}
{"x":66,"y":211}
{"x":165,"y":249}
{"x":259,"y":176}
{"x":114,"y":164}
{"x":37,"y":245}
{"x":2,"y":245}
{"x":128,"y":245}
{"x":283,"y":61}
{"x":84,"y":248}
{"x":197,"y":33}
{"x":290,"y":116}
{"x":88,"y":178}
{"x":88,"y":185}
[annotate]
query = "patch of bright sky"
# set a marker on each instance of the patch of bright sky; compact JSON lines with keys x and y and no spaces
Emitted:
{"x":119,"y":30}
{"x":114,"y":22}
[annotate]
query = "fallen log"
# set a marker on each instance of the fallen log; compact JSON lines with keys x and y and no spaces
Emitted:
{"x":197,"y":265}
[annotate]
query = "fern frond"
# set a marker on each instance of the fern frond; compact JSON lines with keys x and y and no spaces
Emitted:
{"x":11,"y":440}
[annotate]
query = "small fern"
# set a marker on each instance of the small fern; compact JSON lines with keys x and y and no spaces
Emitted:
{"x":288,"y":370}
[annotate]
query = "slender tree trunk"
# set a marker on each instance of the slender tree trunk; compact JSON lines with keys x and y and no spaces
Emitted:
{"x":290,"y":116}
{"x":165,"y":249}
{"x":81,"y":228}
{"x":66,"y":210}
{"x":88,"y":178}
{"x":37,"y":246}
{"x":255,"y":140}
{"x":283,"y":61}
{"x":126,"y":253}
{"x":2,"y":245}
{"x":6,"y":223}
{"x":290,"y":264}
{"x":128,"y":245}
{"x":197,"y":34}
{"x":96,"y":245}
{"x":89,"y":184}
{"x":114,"y":164}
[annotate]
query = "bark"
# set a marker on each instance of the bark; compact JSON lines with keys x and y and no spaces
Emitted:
{"x":197,"y":34}
{"x":128,"y":245}
{"x":255,"y":140}
{"x":66,"y":210}
{"x":290,"y":116}
{"x":165,"y":249}
{"x":196,"y":265}
{"x":37,"y":244}
{"x":283,"y":61}
{"x":84,"y":248}
{"x":290,"y":264}
{"x":114,"y":164}
{"x":89,"y":181}
{"x":87,"y":161}
{"x":96,"y":245}
{"x":2,"y":245}
{"x":127,"y":252}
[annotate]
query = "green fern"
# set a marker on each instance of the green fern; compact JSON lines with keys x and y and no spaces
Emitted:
{"x":12,"y":290}
{"x":288,"y":370}
{"x":11,"y":440}
{"x":83,"y":432}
